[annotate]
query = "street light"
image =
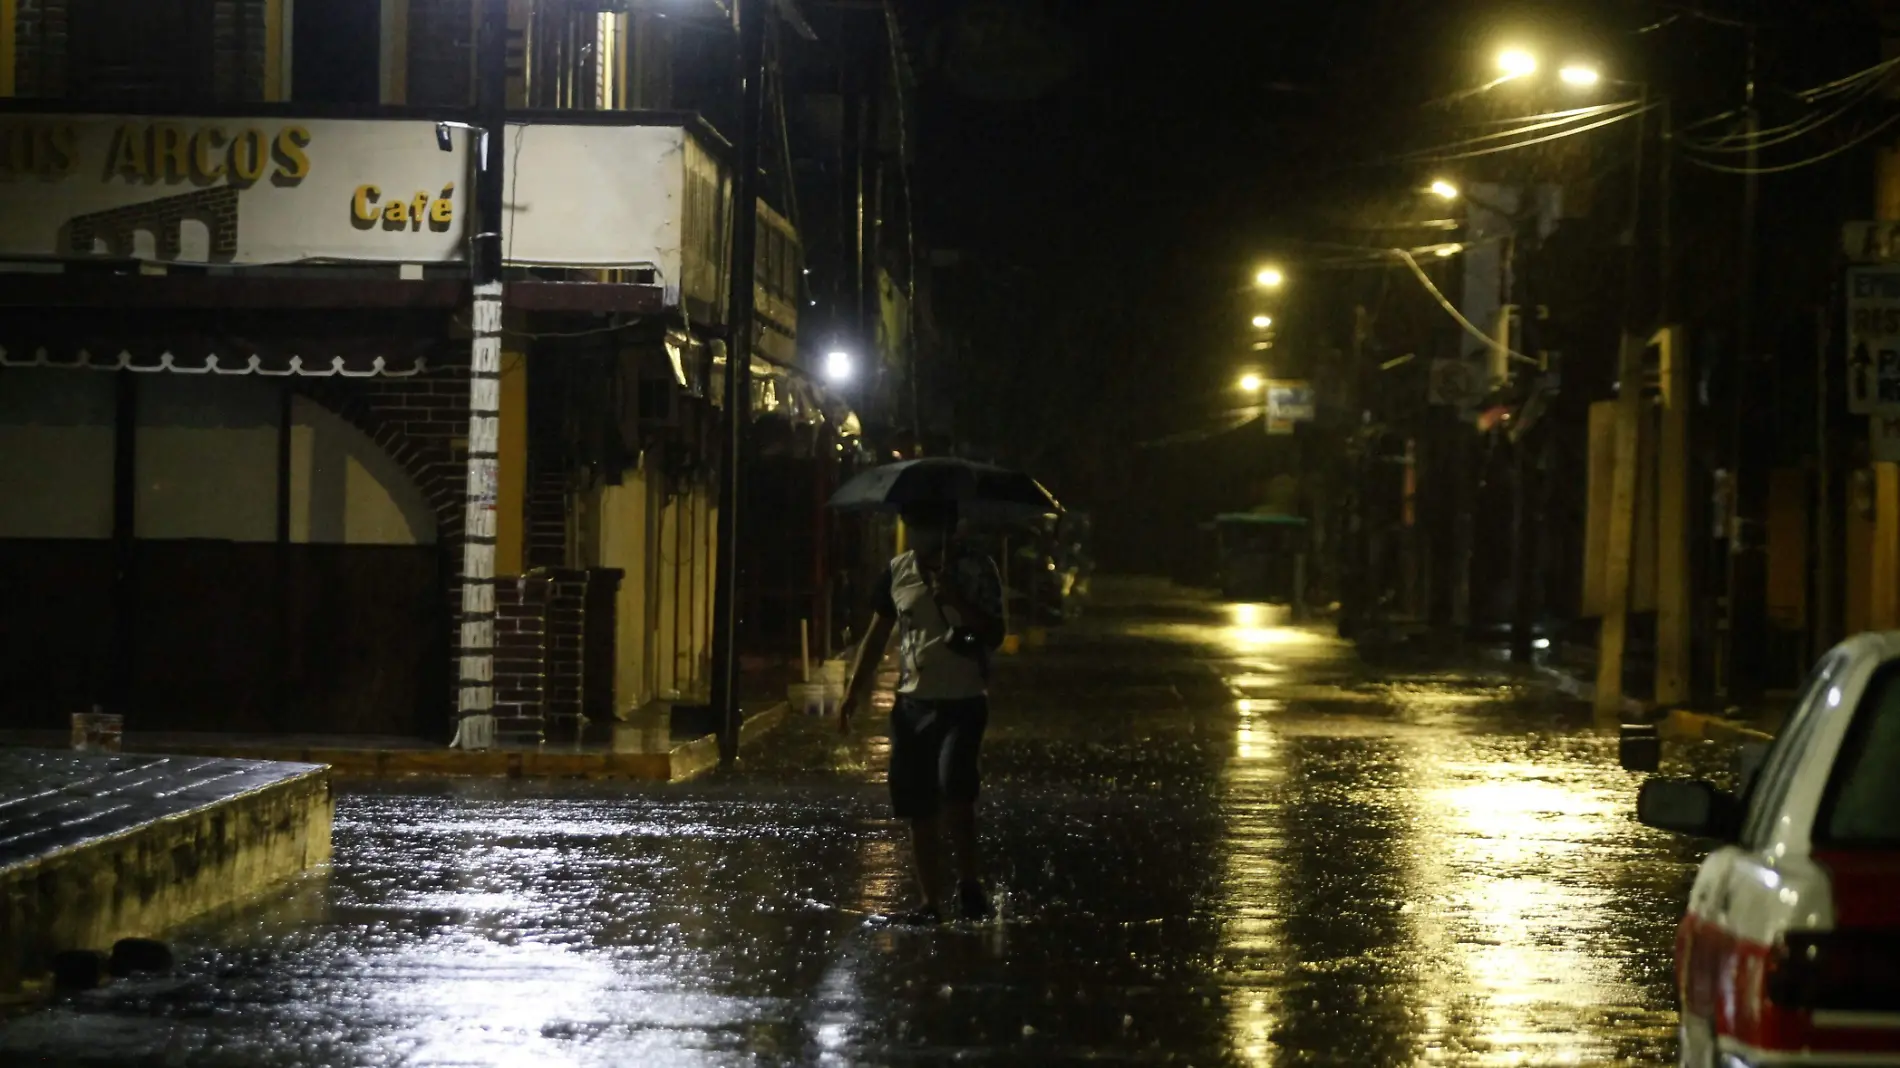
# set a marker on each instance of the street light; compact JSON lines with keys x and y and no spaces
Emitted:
{"x":1580,"y":77}
{"x":1516,"y":63}
{"x":1251,"y":383}
{"x":1270,"y":278}
{"x":838,"y":366}
{"x":1261,"y":322}
{"x":1444,"y":190}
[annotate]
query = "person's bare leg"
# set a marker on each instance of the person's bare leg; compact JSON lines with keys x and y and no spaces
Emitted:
{"x":959,"y":818}
{"x":926,"y":855}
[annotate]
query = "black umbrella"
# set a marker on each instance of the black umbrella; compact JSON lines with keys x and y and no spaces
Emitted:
{"x":980,"y":491}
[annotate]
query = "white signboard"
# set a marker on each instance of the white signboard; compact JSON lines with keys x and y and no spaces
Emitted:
{"x":604,"y":196}
{"x":1873,"y":340}
{"x":640,"y":197}
{"x":243,"y":191}
{"x":1290,"y":400}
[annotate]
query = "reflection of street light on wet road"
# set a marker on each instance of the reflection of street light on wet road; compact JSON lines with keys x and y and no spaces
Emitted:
{"x":1261,"y":322}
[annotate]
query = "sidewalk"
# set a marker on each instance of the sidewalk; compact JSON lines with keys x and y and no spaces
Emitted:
{"x":646,"y":747}
{"x":1572,"y":668}
{"x":95,"y":847}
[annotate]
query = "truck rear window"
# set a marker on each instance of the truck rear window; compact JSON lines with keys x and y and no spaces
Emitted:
{"x":1862,"y":805}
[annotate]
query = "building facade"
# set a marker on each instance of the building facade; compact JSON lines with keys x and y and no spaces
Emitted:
{"x":234,"y":384}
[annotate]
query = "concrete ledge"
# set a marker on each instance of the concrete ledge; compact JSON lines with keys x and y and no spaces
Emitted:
{"x":1571,"y":686}
{"x":98,"y":848}
{"x":1684,"y":726}
{"x":367,"y":760}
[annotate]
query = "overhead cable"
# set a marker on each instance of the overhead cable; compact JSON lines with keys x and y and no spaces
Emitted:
{"x":1432,"y":288}
{"x":1533,"y":127}
{"x":1780,"y":135}
{"x":1856,"y":142}
{"x":1493,"y":150}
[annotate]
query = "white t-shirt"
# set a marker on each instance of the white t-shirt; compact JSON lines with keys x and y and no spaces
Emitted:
{"x":928,"y":668}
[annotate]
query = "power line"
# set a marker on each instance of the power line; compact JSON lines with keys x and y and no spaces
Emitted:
{"x":1629,"y":114}
{"x":1798,"y":164}
{"x":1566,"y":119}
{"x":1432,"y":288}
{"x":1841,"y":85}
{"x":1780,"y":135}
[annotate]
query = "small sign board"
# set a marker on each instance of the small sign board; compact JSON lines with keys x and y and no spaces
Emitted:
{"x":1873,"y":340}
{"x":1291,"y":401}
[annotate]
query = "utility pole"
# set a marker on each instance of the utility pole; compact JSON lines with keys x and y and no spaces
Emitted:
{"x":1744,"y":615}
{"x":1613,"y":630}
{"x":750,"y":15}
{"x":475,"y":703}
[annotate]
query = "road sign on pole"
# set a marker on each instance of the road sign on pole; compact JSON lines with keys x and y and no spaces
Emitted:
{"x":1288,"y":402}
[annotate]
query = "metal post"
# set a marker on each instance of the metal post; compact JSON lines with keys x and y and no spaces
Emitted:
{"x":738,"y":380}
{"x":1734,"y":681}
{"x":1614,"y":630}
{"x":476,"y":702}
{"x":1675,"y":606}
{"x":1822,"y":629}
{"x":1523,"y":616}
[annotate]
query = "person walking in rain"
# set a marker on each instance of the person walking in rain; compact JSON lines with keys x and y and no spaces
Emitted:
{"x":945,"y":600}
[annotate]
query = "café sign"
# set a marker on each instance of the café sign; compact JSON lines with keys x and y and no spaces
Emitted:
{"x":229,"y":191}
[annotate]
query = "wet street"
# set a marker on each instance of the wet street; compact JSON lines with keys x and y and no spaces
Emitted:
{"x":1219,"y":840}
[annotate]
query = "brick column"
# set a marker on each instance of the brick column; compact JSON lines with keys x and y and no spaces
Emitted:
{"x":567,"y":630}
{"x":521,"y":657}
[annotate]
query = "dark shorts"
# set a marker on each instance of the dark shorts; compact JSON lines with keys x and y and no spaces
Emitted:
{"x":934,"y":748}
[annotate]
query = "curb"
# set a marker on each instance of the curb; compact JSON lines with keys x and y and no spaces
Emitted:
{"x":1571,"y":686}
{"x":1683,"y":726}
{"x":680,"y":763}
{"x":1678,"y":725}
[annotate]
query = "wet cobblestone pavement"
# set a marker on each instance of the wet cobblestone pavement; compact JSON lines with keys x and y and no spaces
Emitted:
{"x":1219,"y":840}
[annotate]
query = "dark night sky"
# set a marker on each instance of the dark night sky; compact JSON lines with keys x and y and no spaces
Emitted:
{"x":1112,"y":170}
{"x":1111,"y":220}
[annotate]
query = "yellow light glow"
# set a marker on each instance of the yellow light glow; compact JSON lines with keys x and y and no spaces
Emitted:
{"x":1261,"y":322}
{"x":1444,"y":190}
{"x":1270,"y":278}
{"x":1251,"y":383}
{"x":1446,"y":250}
{"x":1581,"y":77}
{"x":1250,"y":615}
{"x":1516,"y":63}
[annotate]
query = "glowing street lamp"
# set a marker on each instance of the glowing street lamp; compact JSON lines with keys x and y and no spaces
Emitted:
{"x":1580,"y":77}
{"x":1270,"y":278}
{"x":1252,"y":383}
{"x":1261,"y":322}
{"x":1444,"y":190}
{"x":1516,"y":63}
{"x":838,"y":366}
